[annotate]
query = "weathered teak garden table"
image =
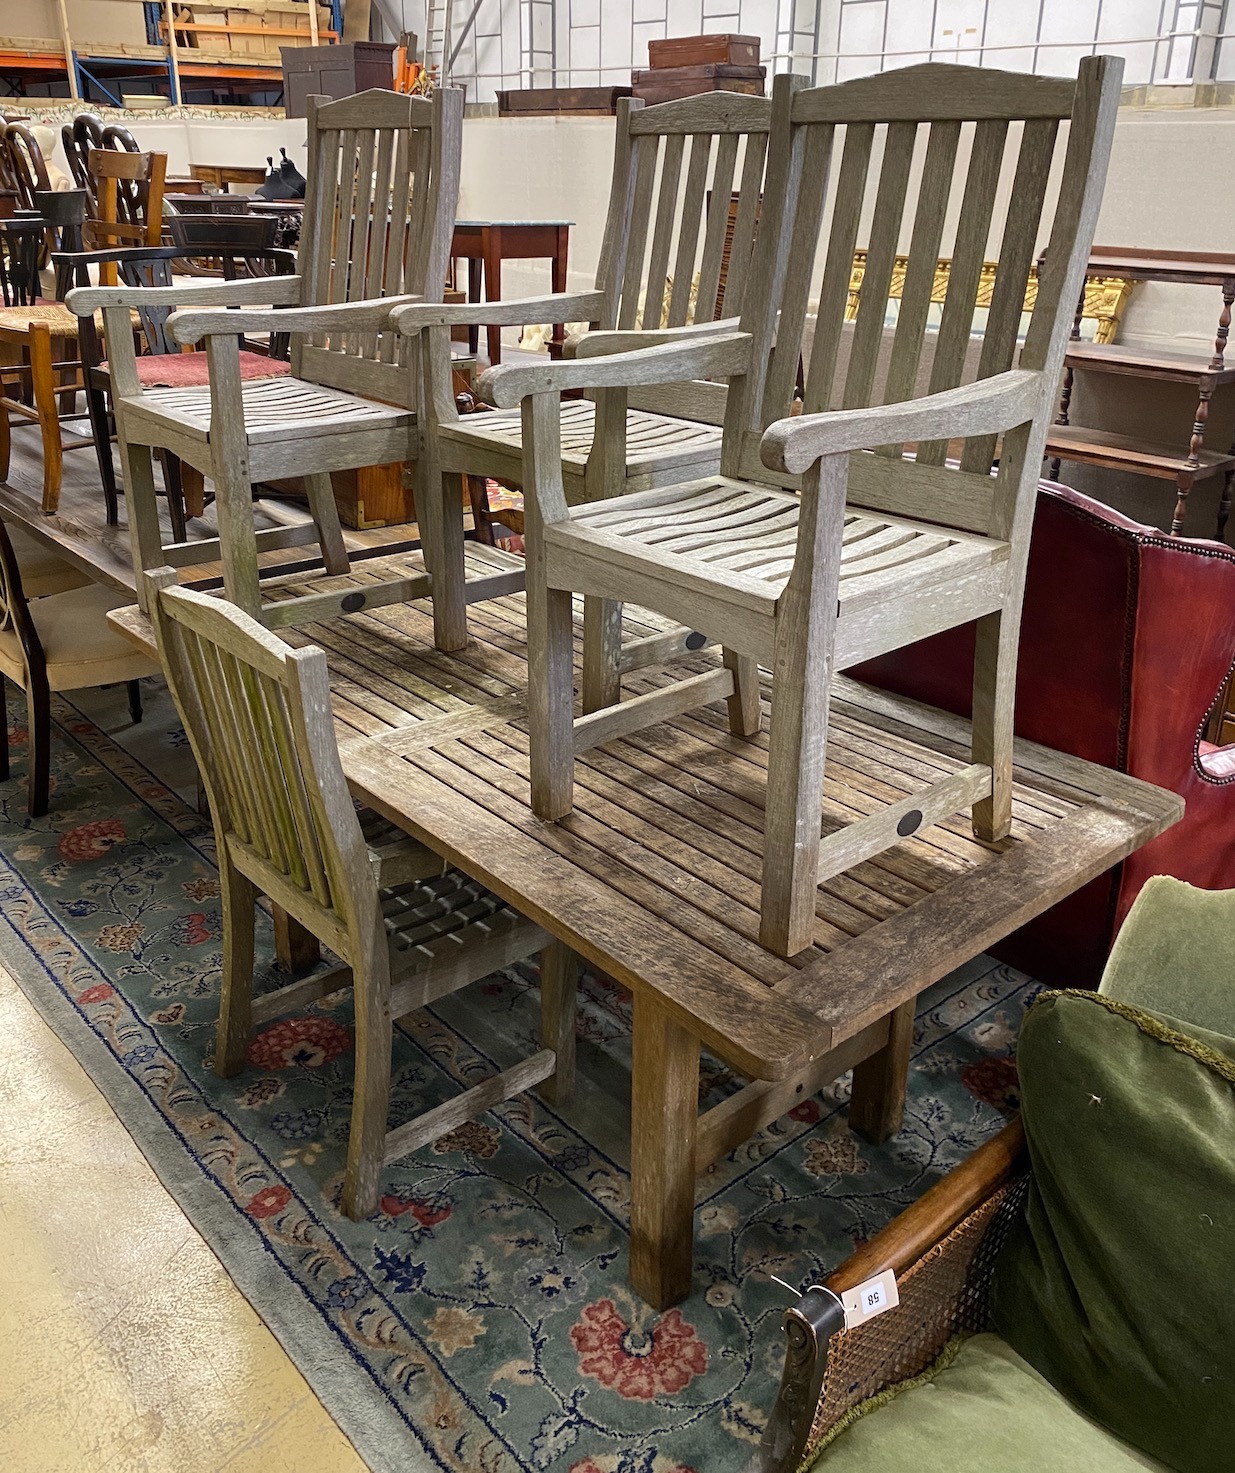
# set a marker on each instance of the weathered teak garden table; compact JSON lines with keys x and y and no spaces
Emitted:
{"x":654,"y":879}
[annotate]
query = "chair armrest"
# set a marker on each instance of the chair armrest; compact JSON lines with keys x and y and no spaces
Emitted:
{"x":252,"y":291}
{"x":982,"y":408}
{"x":560,"y":307}
{"x":595,"y":344}
{"x":371,"y":316}
{"x":717,"y":357}
{"x":118,"y":256}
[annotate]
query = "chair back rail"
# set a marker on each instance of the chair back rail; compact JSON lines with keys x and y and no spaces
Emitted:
{"x":930,"y":161}
{"x":257,"y":715}
{"x":383,"y":183}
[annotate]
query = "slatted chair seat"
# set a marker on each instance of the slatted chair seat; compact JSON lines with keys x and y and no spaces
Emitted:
{"x":658,"y":446}
{"x":276,"y":409}
{"x":751,"y":531}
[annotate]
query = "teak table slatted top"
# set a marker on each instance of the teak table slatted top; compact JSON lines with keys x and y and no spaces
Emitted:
{"x":654,"y":878}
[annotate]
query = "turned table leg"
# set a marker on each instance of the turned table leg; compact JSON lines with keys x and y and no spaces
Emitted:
{"x":664,"y":1115}
{"x":1187,"y":476}
{"x":877,"y":1105}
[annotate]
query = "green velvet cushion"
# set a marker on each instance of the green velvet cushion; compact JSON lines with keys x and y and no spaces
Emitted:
{"x":986,"y":1412}
{"x":1117,"y":1282}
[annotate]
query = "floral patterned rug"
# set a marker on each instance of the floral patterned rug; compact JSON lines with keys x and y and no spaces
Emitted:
{"x":480,"y":1320}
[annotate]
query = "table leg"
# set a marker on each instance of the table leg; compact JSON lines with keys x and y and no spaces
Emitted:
{"x":558,"y":267}
{"x":664,"y":1117}
{"x":877,"y":1104}
{"x":473,"y":295}
{"x":491,"y":245}
{"x":298,"y":950}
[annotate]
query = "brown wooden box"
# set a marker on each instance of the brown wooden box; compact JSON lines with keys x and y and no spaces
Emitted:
{"x":334,"y":71}
{"x":667,"y":84}
{"x":728,"y":50}
{"x":550,"y":101}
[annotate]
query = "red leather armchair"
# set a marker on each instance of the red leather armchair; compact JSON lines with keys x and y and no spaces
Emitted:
{"x":1127,"y":640}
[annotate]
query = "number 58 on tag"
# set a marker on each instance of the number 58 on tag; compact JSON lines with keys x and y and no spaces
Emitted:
{"x":873,"y":1297}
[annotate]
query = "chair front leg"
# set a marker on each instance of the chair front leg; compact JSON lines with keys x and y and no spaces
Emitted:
{"x":237,"y":532}
{"x":38,"y":719}
{"x":43,"y":381}
{"x":4,"y":730}
{"x":366,"y":1142}
{"x":550,"y":619}
{"x":797,"y":740}
{"x":100,"y":428}
{"x":141,"y":510}
{"x":559,"y":1004}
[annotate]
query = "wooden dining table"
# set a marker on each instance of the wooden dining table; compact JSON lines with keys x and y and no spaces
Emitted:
{"x":654,"y":878}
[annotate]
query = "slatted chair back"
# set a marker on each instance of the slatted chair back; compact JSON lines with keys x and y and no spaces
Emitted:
{"x":684,"y":211}
{"x":382,"y":186}
{"x":257,"y":715}
{"x":930,"y":161}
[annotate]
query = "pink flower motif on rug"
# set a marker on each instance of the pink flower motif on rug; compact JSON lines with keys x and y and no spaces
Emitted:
{"x":98,"y":993}
{"x":91,"y":840}
{"x":638,"y":1365}
{"x":269,"y":1201}
{"x":304,"y":1042}
{"x":612,"y":1465}
{"x":426,"y":1213}
{"x":995,"y":1082}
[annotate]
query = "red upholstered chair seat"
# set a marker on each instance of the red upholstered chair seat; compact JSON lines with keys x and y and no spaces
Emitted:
{"x":188,"y":370}
{"x":1126,"y":641}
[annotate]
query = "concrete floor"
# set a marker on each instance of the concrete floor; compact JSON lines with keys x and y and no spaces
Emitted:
{"x":124,"y":1345}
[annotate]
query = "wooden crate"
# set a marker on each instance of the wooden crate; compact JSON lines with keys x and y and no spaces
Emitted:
{"x":334,"y":71}
{"x":553,"y":101}
{"x":667,"y":84}
{"x":725,"y":50}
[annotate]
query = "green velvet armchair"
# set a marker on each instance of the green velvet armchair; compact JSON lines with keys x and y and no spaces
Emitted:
{"x":1067,"y":1295}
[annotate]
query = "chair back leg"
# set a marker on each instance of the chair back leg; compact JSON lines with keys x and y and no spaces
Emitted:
{"x":994,"y":696}
{"x":602,"y":653}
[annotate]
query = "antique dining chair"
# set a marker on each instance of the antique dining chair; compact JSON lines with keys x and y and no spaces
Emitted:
{"x":848,"y":531}
{"x":45,"y":336}
{"x":683,"y":210}
{"x":55,"y":637}
{"x":383,"y":182}
{"x":407,"y":928}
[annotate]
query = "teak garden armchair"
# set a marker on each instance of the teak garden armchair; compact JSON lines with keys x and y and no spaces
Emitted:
{"x":406,"y":929}
{"x":383,"y":182}
{"x":676,"y":250}
{"x":877,"y":547}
